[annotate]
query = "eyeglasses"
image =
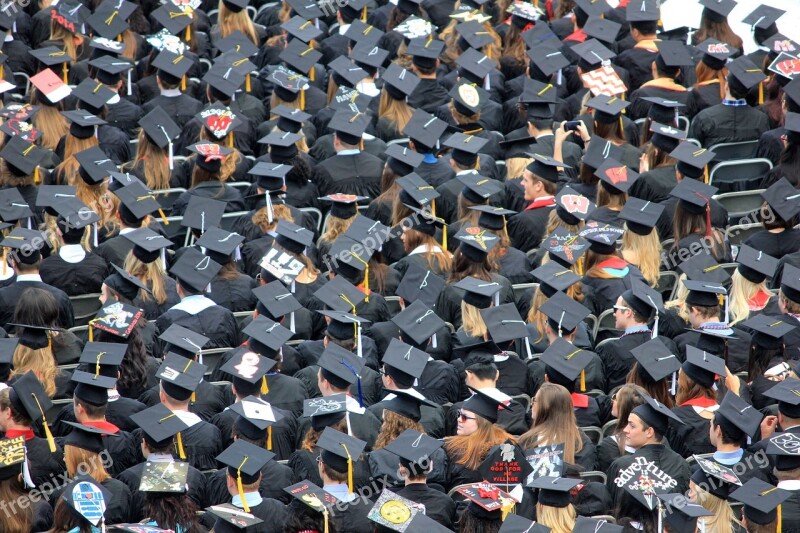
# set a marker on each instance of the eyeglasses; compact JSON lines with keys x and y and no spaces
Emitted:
{"x":621,"y":308}
{"x":464,"y":417}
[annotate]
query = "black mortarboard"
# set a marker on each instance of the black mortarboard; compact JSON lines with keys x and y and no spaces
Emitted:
{"x":349,"y":126}
{"x":554,"y":277}
{"x":95,"y":165}
{"x":655,"y":414}
{"x":87,"y":498}
{"x":602,"y":237}
{"x":720,"y":7}
{"x":555,"y":491}
{"x":465,"y":147}
{"x":424,"y":129}
{"x":137,"y":201}
{"x":180,"y":376}
{"x":545,"y":167}
{"x":50,"y":55}
{"x":504,"y":323}
{"x":515,"y":523}
{"x":256,"y":417}
{"x":219,"y":244}
{"x":593,"y":8}
{"x":704,"y":293}
{"x":546,"y":60}
{"x":418,"y":323}
{"x":783,"y":198}
{"x":125,"y":283}
{"x":339,"y":366}
{"x":599,"y":150}
{"x":231,"y":519}
{"x":584,"y":524}
{"x":172,"y":17}
{"x":244,"y":461}
{"x":468,"y":98}
{"x":159,"y":127}
{"x":361,"y":32}
{"x":300,"y":56}
{"x":787,"y":392}
{"x":640,"y":216}
{"x":715,"y":53}
{"x":109,"y":68}
{"x":404,"y":362}
{"x":424,"y":51}
{"x":407,"y":403}
{"x":592,"y":54}
{"x":790,"y":281}
{"x":474,"y":65}
{"x":768,"y":331}
{"x":413,"y":447}
{"x":416,"y":190}
{"x":224,"y":79}
{"x":477,"y":189}
{"x":340,"y":451}
{"x":399,"y":83}
{"x":293,"y":237}
{"x":475,"y":34}
{"x":656,"y":359}
{"x":281,"y":144}
{"x":103,"y":358}
{"x":175,"y":66}
{"x":368,"y":56}
{"x":643,"y":299}
{"x":110,"y":17}
{"x":237,"y":42}
{"x":306,"y":8}
{"x":22,"y":155}
{"x":419,"y":283}
{"x":492,"y":217}
{"x":147,"y":244}
{"x":682,"y":514}
{"x":703,"y":267}
{"x":267,"y":336}
{"x":539,"y":99}
{"x":664,"y":111}
{"x":763,"y":17}
{"x":602,"y":29}
{"x":478,"y":292}
{"x":164,"y":477}
{"x":755,"y":265}
{"x":29,"y":399}
{"x":340,"y":295}
{"x":643,"y":11}
{"x":565,"y":362}
{"x":276,"y":299}
{"x":203,"y":213}
{"x":82,"y":123}
{"x":303,"y":29}
{"x":564,"y":247}
{"x":703,"y":367}
{"x":563,"y":312}
{"x":486,"y":403}
{"x":26,"y":243}
{"x":694,"y":195}
{"x":744,"y":74}
{"x":183,"y":341}
{"x":665,"y":137}
{"x":270,"y":176}
{"x":343,"y":325}
{"x":607,"y":109}
{"x":760,"y":500}
{"x":290,"y":119}
{"x":86,"y":437}
{"x":741,"y":414}
{"x":159,"y":424}
{"x":194,"y":270}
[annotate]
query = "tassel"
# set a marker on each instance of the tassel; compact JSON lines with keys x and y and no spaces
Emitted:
{"x":444,"y":238}
{"x":91,"y":333}
{"x":760,"y":93}
{"x":36,"y":177}
{"x":183,"y":83}
{"x":239,"y":486}
{"x":230,"y":140}
{"x":779,"y":520}
{"x":325,"y":516}
{"x":705,"y":174}
{"x":163,"y":217}
{"x":302,"y":99}
{"x":312,"y":74}
{"x":269,"y":438}
{"x":434,"y":342}
{"x":247,"y":86}
{"x":130,"y":90}
{"x":349,"y":469}
{"x":433,"y":208}
{"x":264,"y":386}
{"x":194,"y":397}
{"x":674,"y":387}
{"x":291,"y":322}
{"x":583,"y":380}
{"x":269,"y":209}
{"x":64,"y":73}
{"x":2,"y":72}
{"x":50,"y":441}
{"x":366,"y":282}
{"x":171,"y":157}
{"x":181,"y":452}
{"x":364,"y":15}
{"x":188,"y":33}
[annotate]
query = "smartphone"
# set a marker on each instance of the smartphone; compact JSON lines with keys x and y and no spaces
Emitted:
{"x":572,"y":125}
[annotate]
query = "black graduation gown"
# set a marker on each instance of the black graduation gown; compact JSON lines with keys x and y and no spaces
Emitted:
{"x":719,"y":216}
{"x":10,"y":295}
{"x":438,"y":505}
{"x":447,"y":203}
{"x":702,"y":97}
{"x":121,"y":445}
{"x":215,"y":322}
{"x":383,"y":464}
{"x":210,"y":189}
{"x":738,"y":347}
{"x":655,"y":184}
{"x":607,"y":453}
{"x":606,"y":291}
{"x":152,"y":309}
{"x":353,"y":517}
{"x":45,"y":467}
{"x":432,"y":418}
{"x":364,"y":426}
{"x":202,"y":443}
{"x":428,"y":96}
{"x":358,"y":174}
{"x":75,"y":279}
{"x":638,"y":61}
{"x":209,"y":400}
{"x":526,"y":228}
{"x":515,"y":420}
{"x":42,"y":515}
{"x":792,"y":339}
{"x":181,"y":108}
{"x":655,"y":88}
{"x":664,"y":458}
{"x":775,"y":244}
{"x":132,"y":477}
{"x":309,"y":352}
{"x":692,"y":436}
{"x":114,"y":250}
{"x":273,"y":514}
{"x":617,"y":358}
{"x":725,"y":124}
{"x":119,"y":507}
{"x":284,"y":432}
{"x":274,"y":476}
{"x":435,"y":173}
{"x":234,"y":294}
{"x":605,"y":215}
{"x":124,"y":115}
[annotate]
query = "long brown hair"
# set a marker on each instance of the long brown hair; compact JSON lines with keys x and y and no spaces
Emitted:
{"x":716,"y":29}
{"x":230,"y":22}
{"x":688,"y":389}
{"x":441,"y":261}
{"x":705,"y":75}
{"x":555,"y":422}
{"x":393,"y":425}
{"x":80,"y":460}
{"x":336,"y":226}
{"x":279,"y":212}
{"x":312,"y":435}
{"x":52,"y":124}
{"x":398,"y":112}
{"x":471,"y":450}
{"x":60,"y":33}
{"x":155,"y":162}
{"x":390,"y":189}
{"x":41,"y":361}
{"x":21,"y":519}
{"x":686,"y":224}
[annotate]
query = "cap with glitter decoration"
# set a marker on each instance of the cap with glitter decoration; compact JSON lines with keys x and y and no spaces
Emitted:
{"x":399,"y":82}
{"x":172,"y":64}
{"x":465,"y":147}
{"x":744,"y":74}
{"x":716,"y":53}
{"x":476,"y":242}
{"x":783,"y":198}
{"x":702,"y":367}
{"x":303,"y":29}
{"x":640,"y":216}
{"x":468,"y":98}
{"x":545,"y":167}
{"x":349,"y":126}
{"x":487,"y":402}
{"x":413,"y":187}
{"x":602,"y":237}
{"x":218,"y":120}
{"x":194,"y":270}
{"x":768,"y":331}
{"x":760,"y":500}
{"x":231,"y":519}
{"x":418,"y":322}
{"x":474,"y":65}
{"x":406,"y":362}
{"x":220,"y":244}
{"x":656,"y":414}
{"x":755,"y":265}
{"x":643,"y":11}
{"x":694,"y":195}
{"x":203,"y":213}
{"x":28,"y":242}
{"x":656,"y":359}
{"x":368,"y":55}
{"x":173,"y":18}
{"x":525,"y":11}
{"x":95,"y":165}
{"x":572,"y":207}
{"x":554,"y":277}
{"x":422,"y":284}
{"x":425,"y":129}
{"x":340,"y":295}
{"x":563,"y":312}
{"x":607,"y":109}
{"x":477,"y":189}
{"x":720,"y":7}
{"x":245,"y":460}
{"x":425,"y":51}
{"x":478,"y":292}
{"x":682,"y":514}
{"x":564,"y":247}
{"x":22,"y":155}
{"x":159,"y":127}
{"x":604,"y":30}
{"x":592,"y":53}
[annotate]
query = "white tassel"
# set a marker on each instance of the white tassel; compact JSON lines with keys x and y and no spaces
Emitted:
{"x":164,"y":258}
{"x":171,"y":157}
{"x":291,"y":322}
{"x":269,"y":209}
{"x":347,"y":418}
{"x":497,"y":299}
{"x":358,"y":341}
{"x":95,"y":234}
{"x":674,"y":387}
{"x":208,"y":288}
{"x":237,"y":255}
{"x":486,"y":83}
{"x":291,"y":289}
{"x":130,"y":88}
{"x":528,"y":348}
{"x":558,"y":77}
{"x":433,"y":341}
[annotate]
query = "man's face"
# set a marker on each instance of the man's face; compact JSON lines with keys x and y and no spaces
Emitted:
{"x":530,"y":186}
{"x":635,"y":435}
{"x":621,"y":314}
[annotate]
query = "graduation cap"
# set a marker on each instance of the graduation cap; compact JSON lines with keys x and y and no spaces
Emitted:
{"x":722,"y":8}
{"x":86,"y":437}
{"x":110,"y":18}
{"x":173,"y":18}
{"x":486,"y":500}
{"x":393,"y":512}
{"x":755,"y":265}
{"x":418,"y":322}
{"x":305,"y":8}
{"x":256,"y":417}
{"x":137,"y":201}
{"x":592,"y":54}
{"x":83,"y":124}
{"x":92,"y":388}
{"x":783,"y":198}
{"x":716,"y":478}
{"x":492,"y":217}
{"x":219,"y":244}
{"x":416,"y":191}
{"x":703,"y":267}
{"x":28,"y":398}
{"x":477,"y":189}
{"x":478,"y":292}
{"x":682,"y":514}
{"x":656,"y":414}
{"x":474,"y":66}
{"x":51,"y":86}
{"x":487,"y":402}
{"x":244,"y":461}
{"x":194,"y":270}
{"x":504,"y":323}
{"x":180,"y":376}
{"x":13,"y":460}
{"x":225,"y":79}
{"x":716,"y":53}
{"x":103,"y":358}
{"x":349,"y":126}
{"x":159,"y":425}
{"x":312,"y":496}
{"x":704,"y":293}
{"x":744,"y":75}
{"x":50,"y":56}
{"x":25,"y":242}
{"x":544,"y":167}
{"x":787,"y":392}
{"x":344,"y":326}
{"x":74,"y":215}
{"x":361,"y":32}
{"x":602,"y":237}
{"x":368,"y":56}
{"x":407,"y":402}
{"x":116,"y":318}
{"x":425,"y":130}
{"x":87,"y":498}
{"x":371,"y":233}
{"x":465,"y":147}
{"x":585,"y":524}
{"x":172,"y":67}
{"x":554,"y":491}
{"x":643,"y":11}
{"x":469,"y":99}
{"x":303,"y":29}
{"x":565,"y":362}
{"x":740,"y":414}
{"x":109,"y":68}
{"x":414,"y":27}
{"x":760,"y":500}
{"x":763,"y":17}
{"x":515,"y":523}
{"x":645,"y":301}
{"x":270,"y":176}
{"x":563,"y":312}
{"x":341,"y":367}
{"x":607,"y":108}
{"x":399,"y":83}
{"x":404,"y":362}
{"x":301,"y":57}
{"x":539,"y":99}
{"x":604,"y":30}
{"x":475,"y":34}
{"x":281,"y":144}
{"x":218,"y":120}
{"x":573,"y":207}
{"x":231,"y":519}
{"x":325,"y":411}
{"x":790,"y":280}
{"x":95,"y":165}
{"x":293,"y":237}
{"x":147,"y":244}
{"x":640,"y":216}
{"x":425,"y":51}
{"x":340,"y":451}
{"x":656,"y":360}
{"x":71,"y":15}
{"x":665,"y":137}
{"x":414,"y":449}
{"x":22,"y":156}
{"x":164,"y":477}
{"x":548,"y":61}
{"x":237,"y":42}
{"x":276,"y":299}
{"x":554,"y":277}
{"x":563,"y":247}
{"x":703,"y":367}
{"x":665,"y":112}
{"x":694,"y":195}
{"x":768,"y":331}
{"x":267,"y":337}
{"x":160,"y":129}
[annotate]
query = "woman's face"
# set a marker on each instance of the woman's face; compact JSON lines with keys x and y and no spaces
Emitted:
{"x":535,"y":406}
{"x":105,"y":296}
{"x":467,"y":423}
{"x":615,"y":405}
{"x":635,"y":436}
{"x":692,"y":494}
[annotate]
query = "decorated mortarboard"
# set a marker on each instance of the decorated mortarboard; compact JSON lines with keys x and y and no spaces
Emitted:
{"x":572,"y":206}
{"x":783,"y":197}
{"x":722,"y":8}
{"x":414,"y":27}
{"x":564,"y":247}
{"x":325,"y":411}
{"x":640,"y":216}
{"x":584,"y":524}
{"x":505,"y":466}
{"x":602,"y":237}
{"x":716,"y":53}
{"x":418,"y":322}
{"x":546,"y":461}
{"x":303,"y":29}
{"x":475,"y":65}
{"x":164,"y":477}
{"x":88,"y":498}
{"x":218,"y":120}
{"x":312,"y":495}
{"x":745,"y":73}
{"x":70,"y":14}
{"x":230,"y":518}
{"x":682,"y":514}
{"x":116,"y":318}
{"x":476,"y":242}
{"x":49,"y":84}
{"x":719,"y":478}
{"x":487,"y":500}
{"x":786,"y":446}
{"x":392,"y":511}
{"x":414,"y":448}
{"x":755,"y":265}
{"x":424,"y":128}
{"x":20,"y":152}
{"x":13,"y":460}
{"x":350,"y":99}
{"x":525,"y":11}
{"x":281,"y":265}
{"x":782,"y":51}
{"x":761,"y":500}
{"x":28,"y":397}
{"x":469,"y":99}
{"x":340,"y":451}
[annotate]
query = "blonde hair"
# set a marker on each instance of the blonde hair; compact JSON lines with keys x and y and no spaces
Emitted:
{"x":151,"y":274}
{"x":397,"y":111}
{"x":279,"y":212}
{"x":558,"y":519}
{"x":679,"y":302}
{"x":98,"y":199}
{"x":336,"y":226}
{"x":82,"y":461}
{"x":742,"y":291}
{"x":515,"y":166}
{"x":472,"y":321}
{"x":643,"y":251}
{"x":723,"y":517}
{"x":41,"y":361}
{"x":301,"y":144}
{"x":607,"y":199}
{"x":68,"y":168}
{"x":155,"y":163}
{"x":131,"y":45}
{"x":276,"y":101}
{"x":230,"y":22}
{"x":52,"y":124}
{"x":60,"y":33}
{"x":535,"y":316}
{"x":554,"y":222}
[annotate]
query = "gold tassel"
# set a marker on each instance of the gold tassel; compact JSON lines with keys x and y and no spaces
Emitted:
{"x":183,"y":83}
{"x":779,"y":519}
{"x":364,"y":14}
{"x":2,"y":72}
{"x":64,"y":73}
{"x":119,"y":38}
{"x":621,"y":127}
{"x":760,"y":93}
{"x":325,"y":515}
{"x":269,"y":438}
{"x":194,"y":397}
{"x":163,"y":217}
{"x":36,"y":177}
{"x":311,"y":74}
{"x":349,"y":469}
{"x":444,"y":238}
{"x":302,"y":99}
{"x":705,"y":174}
{"x":181,"y":452}
{"x":583,"y":380}
{"x":366,"y":281}
{"x":239,"y":486}
{"x":230,"y":140}
{"x":188,"y":32}
{"x":264,"y":386}
{"x":91,"y":333}
{"x":247,"y":82}
{"x":433,"y":208}
{"x":50,"y":441}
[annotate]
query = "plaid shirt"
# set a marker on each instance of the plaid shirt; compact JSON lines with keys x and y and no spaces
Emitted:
{"x":735,"y":103}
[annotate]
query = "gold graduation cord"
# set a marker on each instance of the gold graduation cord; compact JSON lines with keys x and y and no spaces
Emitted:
{"x":302,"y":99}
{"x":349,"y":469}
{"x":239,"y":485}
{"x":64,"y":72}
{"x":50,"y":441}
{"x":181,"y":452}
{"x":269,"y":438}
{"x":264,"y":386}
{"x":91,"y":333}
{"x":97,"y":364}
{"x":160,"y":211}
{"x":194,"y":394}
{"x":25,"y":152}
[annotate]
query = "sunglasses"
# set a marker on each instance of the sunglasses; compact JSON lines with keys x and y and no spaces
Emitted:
{"x":464,"y":417}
